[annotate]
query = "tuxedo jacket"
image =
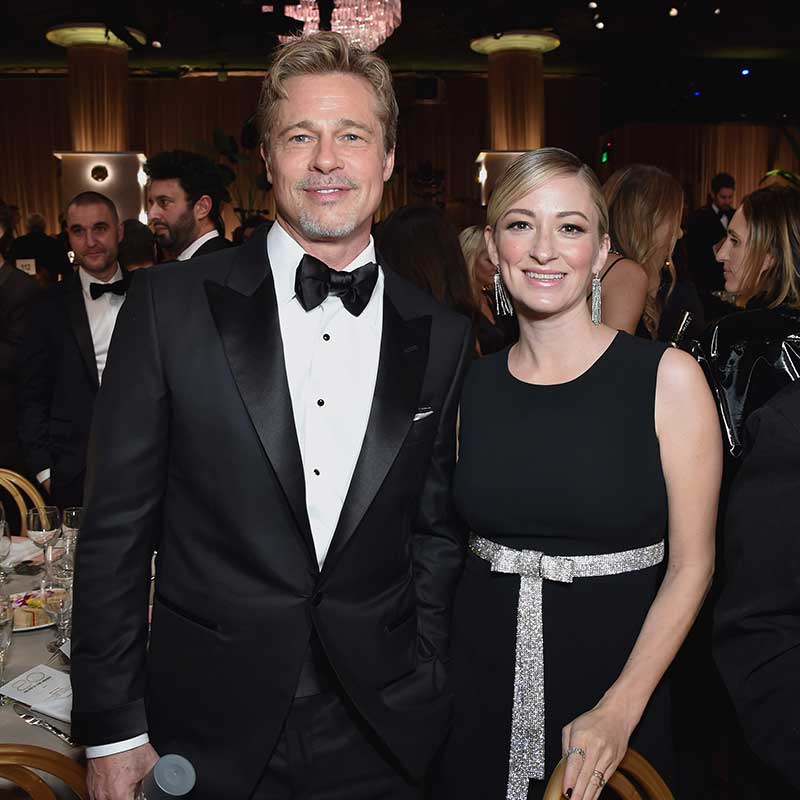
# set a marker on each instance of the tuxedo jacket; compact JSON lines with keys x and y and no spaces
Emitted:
{"x":194,"y":453}
{"x":17,"y":293}
{"x":58,"y":386}
{"x":757,"y":619}
{"x":703,"y":231}
{"x":212,"y":246}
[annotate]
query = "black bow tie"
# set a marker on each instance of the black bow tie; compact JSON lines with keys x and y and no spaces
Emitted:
{"x":315,"y":280}
{"x":99,"y":289}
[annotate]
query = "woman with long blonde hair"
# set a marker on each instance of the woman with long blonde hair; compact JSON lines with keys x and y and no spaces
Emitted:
{"x":645,"y":206}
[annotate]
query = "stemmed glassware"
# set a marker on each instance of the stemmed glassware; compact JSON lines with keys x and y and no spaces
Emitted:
{"x":57,"y":602}
{"x":44,"y":525}
{"x":5,"y":551}
{"x":6,"y":625}
{"x":71,"y":521}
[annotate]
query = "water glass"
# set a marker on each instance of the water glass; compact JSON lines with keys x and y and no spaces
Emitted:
{"x":71,"y":521}
{"x":5,"y":551}
{"x":44,"y":525}
{"x":6,"y":626}
{"x":57,"y":602}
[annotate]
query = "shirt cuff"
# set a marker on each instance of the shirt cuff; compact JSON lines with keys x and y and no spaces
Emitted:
{"x":43,"y":476}
{"x":101,"y":750}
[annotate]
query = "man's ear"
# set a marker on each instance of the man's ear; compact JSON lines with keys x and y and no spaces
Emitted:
{"x":388,"y":165}
{"x":202,"y":208}
{"x":265,"y":159}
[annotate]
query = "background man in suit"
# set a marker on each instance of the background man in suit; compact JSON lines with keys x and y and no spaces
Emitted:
{"x":283,"y":415}
{"x":184,"y":195}
{"x":63,"y":354}
{"x":49,"y":254}
{"x":17,"y":292}
{"x":705,"y":228}
{"x":757,"y":620}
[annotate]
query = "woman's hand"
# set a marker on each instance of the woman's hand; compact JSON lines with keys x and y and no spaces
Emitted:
{"x":594,"y":743}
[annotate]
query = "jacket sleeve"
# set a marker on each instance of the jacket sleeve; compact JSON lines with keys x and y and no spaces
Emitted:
{"x":36,"y":370}
{"x":757,"y":620}
{"x":439,"y":535}
{"x":126,"y":476}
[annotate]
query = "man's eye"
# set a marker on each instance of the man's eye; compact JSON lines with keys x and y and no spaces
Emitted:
{"x":352,"y":137}
{"x":300,"y":138}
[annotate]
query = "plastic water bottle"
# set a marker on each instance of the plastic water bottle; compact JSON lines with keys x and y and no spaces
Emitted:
{"x":172,"y":776}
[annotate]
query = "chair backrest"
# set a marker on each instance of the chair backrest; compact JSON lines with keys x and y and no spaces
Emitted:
{"x":17,"y":762}
{"x":635,"y":779}
{"x":17,"y":486}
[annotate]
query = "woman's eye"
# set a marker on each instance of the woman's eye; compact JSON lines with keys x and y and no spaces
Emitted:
{"x":570,"y":228}
{"x":518,"y":225}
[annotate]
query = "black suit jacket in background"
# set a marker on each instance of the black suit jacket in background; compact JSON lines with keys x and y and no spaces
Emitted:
{"x":757,"y":620}
{"x":49,"y":252}
{"x":17,"y":292}
{"x":57,"y":390}
{"x":213,"y":246}
{"x":194,"y":452}
{"x":703,"y":231}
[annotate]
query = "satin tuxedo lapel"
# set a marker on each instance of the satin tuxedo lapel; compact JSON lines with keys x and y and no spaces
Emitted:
{"x":401,"y":369}
{"x":245,"y":312}
{"x":79,"y":323}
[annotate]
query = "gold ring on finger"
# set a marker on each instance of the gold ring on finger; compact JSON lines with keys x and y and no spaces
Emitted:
{"x":600,"y":778}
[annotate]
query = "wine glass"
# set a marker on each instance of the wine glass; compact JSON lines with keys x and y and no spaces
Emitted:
{"x":57,"y":602}
{"x":71,"y":521}
{"x":5,"y":551}
{"x":6,"y":625}
{"x":44,"y":525}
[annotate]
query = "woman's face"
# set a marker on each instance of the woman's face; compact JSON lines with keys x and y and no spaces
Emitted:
{"x":732,"y":252}
{"x":547,"y":247}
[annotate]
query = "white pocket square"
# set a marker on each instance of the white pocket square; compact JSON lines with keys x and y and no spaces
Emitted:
{"x":422,"y":413}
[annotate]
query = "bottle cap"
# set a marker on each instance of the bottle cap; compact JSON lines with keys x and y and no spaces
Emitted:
{"x":172,"y":776}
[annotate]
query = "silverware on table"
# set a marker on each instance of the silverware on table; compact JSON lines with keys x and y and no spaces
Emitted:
{"x":25,"y":715}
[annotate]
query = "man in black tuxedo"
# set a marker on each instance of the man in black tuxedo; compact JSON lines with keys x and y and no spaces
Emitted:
{"x":757,"y":619}
{"x":184,"y":197}
{"x":279,"y":423}
{"x":706,"y":227}
{"x":63,"y":354}
{"x":49,"y":254}
{"x":17,"y":293}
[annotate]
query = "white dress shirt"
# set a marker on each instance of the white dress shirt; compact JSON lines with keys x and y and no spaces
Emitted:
{"x":331,"y":366}
{"x":196,"y":245}
{"x":102,"y":314}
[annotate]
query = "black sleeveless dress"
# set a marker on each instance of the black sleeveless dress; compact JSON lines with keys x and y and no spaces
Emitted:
{"x":569,"y":469}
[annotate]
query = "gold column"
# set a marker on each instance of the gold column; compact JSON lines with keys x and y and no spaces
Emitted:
{"x":516,"y":87}
{"x":97,"y":85}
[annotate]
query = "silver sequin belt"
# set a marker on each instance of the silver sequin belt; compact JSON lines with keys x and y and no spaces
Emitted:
{"x":526,"y":756}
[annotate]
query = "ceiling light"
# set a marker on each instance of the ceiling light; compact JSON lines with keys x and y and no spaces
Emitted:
{"x":673,"y":12}
{"x":745,"y":72}
{"x":599,"y":26}
{"x":717,"y":11}
{"x":592,"y":4}
{"x":155,"y":43}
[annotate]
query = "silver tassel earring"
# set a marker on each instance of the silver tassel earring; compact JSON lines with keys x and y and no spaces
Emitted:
{"x":502,"y":302}
{"x":597,"y":302}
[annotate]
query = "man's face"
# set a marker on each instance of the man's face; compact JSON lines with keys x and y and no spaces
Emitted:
{"x":326,"y":161}
{"x":170,"y":215}
{"x":94,"y":236}
{"x":723,"y":199}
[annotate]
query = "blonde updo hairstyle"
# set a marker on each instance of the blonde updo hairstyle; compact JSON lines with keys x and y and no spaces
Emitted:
{"x":534,"y":169}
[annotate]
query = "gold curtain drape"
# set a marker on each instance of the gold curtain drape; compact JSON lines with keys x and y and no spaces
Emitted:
{"x":97,"y":88}
{"x":695,"y":153}
{"x":516,"y":100}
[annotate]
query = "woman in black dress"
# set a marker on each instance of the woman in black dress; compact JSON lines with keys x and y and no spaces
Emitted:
{"x":577,"y":445}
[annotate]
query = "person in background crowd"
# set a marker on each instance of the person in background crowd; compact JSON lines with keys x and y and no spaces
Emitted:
{"x":495,"y":332}
{"x":645,"y":206}
{"x":757,"y":619}
{"x":419,"y":244}
{"x":64,"y":351}
{"x":47,"y":252}
{"x":705,"y":229}
{"x":779,"y":177}
{"x":582,"y":449}
{"x":137,"y":250}
{"x":185,"y":193}
{"x":17,"y":292}
{"x":248,"y":228}
{"x":283,"y":431}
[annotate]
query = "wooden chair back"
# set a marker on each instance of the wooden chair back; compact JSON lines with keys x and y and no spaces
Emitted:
{"x":635,"y":779}
{"x":20,"y":488}
{"x":17,"y":762}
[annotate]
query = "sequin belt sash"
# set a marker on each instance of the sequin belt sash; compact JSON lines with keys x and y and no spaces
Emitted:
{"x":526,"y":756}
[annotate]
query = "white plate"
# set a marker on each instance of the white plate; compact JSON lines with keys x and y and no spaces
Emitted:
{"x":17,"y":596}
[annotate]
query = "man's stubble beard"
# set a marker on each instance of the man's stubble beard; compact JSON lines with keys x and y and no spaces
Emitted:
{"x":178,"y":236}
{"x":315,"y":229}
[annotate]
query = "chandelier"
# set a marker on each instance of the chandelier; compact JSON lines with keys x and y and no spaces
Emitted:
{"x":364,"y":23}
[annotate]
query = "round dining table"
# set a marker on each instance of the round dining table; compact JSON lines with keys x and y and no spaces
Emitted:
{"x":28,"y":649}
